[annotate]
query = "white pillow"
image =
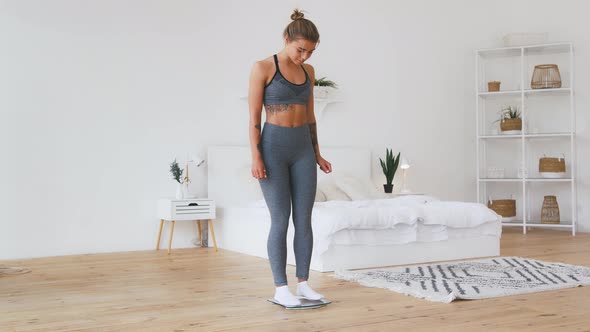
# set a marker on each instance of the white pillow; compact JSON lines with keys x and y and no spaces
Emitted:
{"x":320,"y":196}
{"x":331,"y":191}
{"x":357,"y":188}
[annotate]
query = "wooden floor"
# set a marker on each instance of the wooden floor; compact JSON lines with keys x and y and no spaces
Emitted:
{"x":201,"y":290}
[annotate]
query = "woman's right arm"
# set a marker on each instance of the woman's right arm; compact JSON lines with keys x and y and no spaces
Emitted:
{"x":255,"y":95}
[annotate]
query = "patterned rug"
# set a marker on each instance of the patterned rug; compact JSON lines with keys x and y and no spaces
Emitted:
{"x":470,"y":280}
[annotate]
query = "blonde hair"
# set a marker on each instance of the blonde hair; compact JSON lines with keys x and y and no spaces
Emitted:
{"x":301,"y":28}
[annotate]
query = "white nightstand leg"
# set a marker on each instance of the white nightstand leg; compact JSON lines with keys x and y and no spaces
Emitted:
{"x":200,"y":233}
{"x":212,"y":234}
{"x":159,"y":234}
{"x":170,"y":241}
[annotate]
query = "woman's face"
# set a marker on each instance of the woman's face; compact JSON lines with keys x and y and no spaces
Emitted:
{"x":299,"y":50}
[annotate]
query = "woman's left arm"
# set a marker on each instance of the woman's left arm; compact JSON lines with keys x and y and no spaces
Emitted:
{"x":313,"y":129}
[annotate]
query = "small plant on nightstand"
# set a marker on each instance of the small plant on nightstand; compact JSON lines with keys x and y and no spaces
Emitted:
{"x":389,"y":167}
{"x":323,"y":87}
{"x":177,"y":175}
{"x":325,"y":82}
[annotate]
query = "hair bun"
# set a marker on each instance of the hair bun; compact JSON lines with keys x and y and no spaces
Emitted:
{"x":297,"y":14}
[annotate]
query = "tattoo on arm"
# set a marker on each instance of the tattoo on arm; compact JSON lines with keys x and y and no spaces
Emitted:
{"x":314,"y":135}
{"x":259,"y":144}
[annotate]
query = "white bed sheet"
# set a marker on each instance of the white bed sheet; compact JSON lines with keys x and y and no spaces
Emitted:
{"x":384,"y":221}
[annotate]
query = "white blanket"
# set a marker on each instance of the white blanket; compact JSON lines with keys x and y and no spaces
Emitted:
{"x":332,"y":216}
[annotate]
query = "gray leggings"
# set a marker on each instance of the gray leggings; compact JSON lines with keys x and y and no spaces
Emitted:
{"x":291,"y":177}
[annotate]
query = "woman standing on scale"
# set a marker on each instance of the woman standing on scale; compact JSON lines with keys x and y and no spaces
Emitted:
{"x":285,"y":152}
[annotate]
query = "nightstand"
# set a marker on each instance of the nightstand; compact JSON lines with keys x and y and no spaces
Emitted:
{"x":173,"y":210}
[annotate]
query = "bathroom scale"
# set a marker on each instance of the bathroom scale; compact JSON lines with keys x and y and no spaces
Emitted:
{"x":305,"y":304}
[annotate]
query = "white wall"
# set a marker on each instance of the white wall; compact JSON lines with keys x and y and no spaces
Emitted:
{"x":98,"y":97}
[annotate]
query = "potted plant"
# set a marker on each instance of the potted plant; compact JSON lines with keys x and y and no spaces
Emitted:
{"x":177,"y":175}
{"x":323,"y":87}
{"x":510,"y":121}
{"x":389,"y":167}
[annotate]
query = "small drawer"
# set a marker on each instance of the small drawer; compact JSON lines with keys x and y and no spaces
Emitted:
{"x":193,"y":209}
{"x":192,"y":203}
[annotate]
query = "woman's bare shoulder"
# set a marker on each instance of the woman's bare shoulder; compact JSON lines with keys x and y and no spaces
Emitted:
{"x":309,"y":68}
{"x":264,"y":66}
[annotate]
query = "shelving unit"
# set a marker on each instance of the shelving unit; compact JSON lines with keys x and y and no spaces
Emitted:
{"x":548,"y":117}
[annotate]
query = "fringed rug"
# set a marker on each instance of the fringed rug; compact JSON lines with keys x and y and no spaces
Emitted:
{"x":470,"y":280}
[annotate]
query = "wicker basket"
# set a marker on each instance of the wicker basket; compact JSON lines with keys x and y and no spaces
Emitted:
{"x":546,"y":77}
{"x":511,"y":124}
{"x":504,"y":207}
{"x":550,"y":210}
{"x":551,"y":165}
{"x":494,"y":86}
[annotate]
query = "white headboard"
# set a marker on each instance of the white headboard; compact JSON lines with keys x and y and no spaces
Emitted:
{"x":229,"y":171}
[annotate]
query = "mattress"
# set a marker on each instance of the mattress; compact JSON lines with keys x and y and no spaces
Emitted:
{"x":412,"y":233}
{"x":257,"y":218}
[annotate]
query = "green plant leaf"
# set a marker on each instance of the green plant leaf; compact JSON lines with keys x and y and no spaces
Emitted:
{"x":389,"y":165}
{"x":176,"y":171}
{"x":325,"y":82}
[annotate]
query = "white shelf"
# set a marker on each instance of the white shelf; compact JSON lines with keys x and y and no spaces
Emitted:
{"x":550,"y":48}
{"x":556,"y":92}
{"x":512,"y":223}
{"x":500,"y":52}
{"x":527,"y":92}
{"x":525,"y":179}
{"x":495,"y":94}
{"x":513,"y":66}
{"x":499,"y":136}
{"x":562,"y":47}
{"x":549,"y":135}
{"x":548,"y":180}
{"x":542,"y":135}
{"x":500,"y":179}
{"x":535,"y":224}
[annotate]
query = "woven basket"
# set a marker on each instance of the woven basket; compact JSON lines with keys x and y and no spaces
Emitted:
{"x":546,"y":77}
{"x":553,"y":165}
{"x":494,"y":86}
{"x":511,"y":124}
{"x":550,"y":210}
{"x":504,"y":207}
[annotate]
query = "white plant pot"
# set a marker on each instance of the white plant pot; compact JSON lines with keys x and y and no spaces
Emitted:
{"x":323,"y":92}
{"x":179,"y":191}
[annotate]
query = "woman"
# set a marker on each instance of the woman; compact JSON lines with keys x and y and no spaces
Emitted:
{"x":285,"y":153}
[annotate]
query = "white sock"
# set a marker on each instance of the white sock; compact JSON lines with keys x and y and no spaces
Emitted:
{"x":284,"y":296}
{"x":305,"y":291}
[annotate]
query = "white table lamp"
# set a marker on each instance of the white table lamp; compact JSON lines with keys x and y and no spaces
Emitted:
{"x":404,"y":166}
{"x":198,"y":161}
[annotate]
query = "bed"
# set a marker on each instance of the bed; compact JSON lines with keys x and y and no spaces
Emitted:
{"x":355,"y":225}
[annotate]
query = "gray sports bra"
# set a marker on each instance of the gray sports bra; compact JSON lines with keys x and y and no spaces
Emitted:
{"x":281,"y":91}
